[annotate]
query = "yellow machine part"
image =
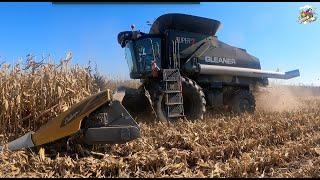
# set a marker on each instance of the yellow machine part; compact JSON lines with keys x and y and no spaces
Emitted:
{"x":69,"y":122}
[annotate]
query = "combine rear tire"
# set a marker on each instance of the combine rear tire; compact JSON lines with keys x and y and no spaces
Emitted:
{"x":194,"y":102}
{"x":243,"y":101}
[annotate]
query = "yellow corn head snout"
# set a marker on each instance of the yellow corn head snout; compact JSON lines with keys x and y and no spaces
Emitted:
{"x":120,"y":128}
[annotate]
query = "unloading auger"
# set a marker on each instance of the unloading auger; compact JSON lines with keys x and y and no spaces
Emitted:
{"x":101,"y":118}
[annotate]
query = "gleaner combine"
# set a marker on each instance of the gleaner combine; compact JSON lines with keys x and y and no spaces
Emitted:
{"x":183,"y":68}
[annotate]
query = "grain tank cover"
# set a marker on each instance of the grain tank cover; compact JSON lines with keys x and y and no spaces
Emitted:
{"x":184,"y":22}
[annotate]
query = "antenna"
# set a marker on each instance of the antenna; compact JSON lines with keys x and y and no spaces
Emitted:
{"x":133,"y":27}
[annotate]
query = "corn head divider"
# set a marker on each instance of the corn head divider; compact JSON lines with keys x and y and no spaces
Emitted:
{"x":115,"y":126}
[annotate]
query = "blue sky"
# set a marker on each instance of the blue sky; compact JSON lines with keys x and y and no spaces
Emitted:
{"x":269,"y":31}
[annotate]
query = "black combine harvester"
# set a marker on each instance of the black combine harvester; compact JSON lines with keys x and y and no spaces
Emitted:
{"x":183,"y":68}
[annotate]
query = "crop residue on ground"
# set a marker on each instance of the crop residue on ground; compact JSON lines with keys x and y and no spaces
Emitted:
{"x":281,"y":143}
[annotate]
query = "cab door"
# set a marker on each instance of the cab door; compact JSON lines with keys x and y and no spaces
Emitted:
{"x":147,"y":50}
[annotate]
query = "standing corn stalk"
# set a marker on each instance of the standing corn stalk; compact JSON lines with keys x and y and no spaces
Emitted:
{"x":32,"y":95}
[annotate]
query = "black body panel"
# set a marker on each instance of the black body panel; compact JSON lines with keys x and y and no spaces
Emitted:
{"x":215,"y":49}
{"x":197,"y":45}
{"x":184,"y":22}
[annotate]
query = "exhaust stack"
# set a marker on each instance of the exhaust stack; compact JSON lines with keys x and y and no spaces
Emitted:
{"x":246,"y":72}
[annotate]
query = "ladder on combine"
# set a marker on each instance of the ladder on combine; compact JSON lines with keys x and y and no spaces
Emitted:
{"x":173,"y":86}
{"x":173,"y":93}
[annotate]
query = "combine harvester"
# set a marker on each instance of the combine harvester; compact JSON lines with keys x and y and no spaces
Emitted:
{"x":183,"y":68}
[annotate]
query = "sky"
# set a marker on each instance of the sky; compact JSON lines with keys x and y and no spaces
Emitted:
{"x":267,"y":30}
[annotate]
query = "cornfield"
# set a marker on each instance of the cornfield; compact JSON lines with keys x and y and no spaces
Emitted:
{"x":35,"y":92}
{"x":267,"y":143}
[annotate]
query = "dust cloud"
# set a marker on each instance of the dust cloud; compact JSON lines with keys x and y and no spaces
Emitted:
{"x":277,"y":98}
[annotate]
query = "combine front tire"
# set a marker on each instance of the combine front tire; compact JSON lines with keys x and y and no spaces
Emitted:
{"x":194,"y":102}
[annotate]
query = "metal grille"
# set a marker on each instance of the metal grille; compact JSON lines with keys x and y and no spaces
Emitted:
{"x":175,"y":111}
{"x":174,"y":98}
{"x":171,"y":75}
{"x":173,"y":86}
